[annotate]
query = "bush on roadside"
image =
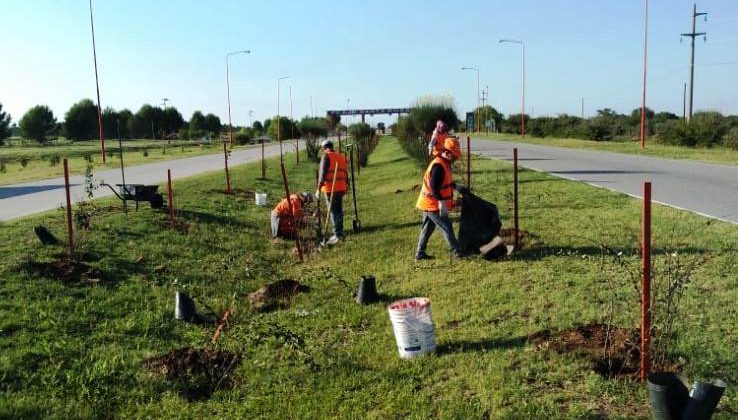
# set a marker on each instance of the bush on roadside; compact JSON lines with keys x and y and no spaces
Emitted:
{"x":705,"y":129}
{"x":730,"y":140}
{"x":364,"y":141}
{"x":415,"y":129}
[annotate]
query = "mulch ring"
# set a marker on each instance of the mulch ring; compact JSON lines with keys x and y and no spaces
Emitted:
{"x":69,"y":271}
{"x":612,"y":351}
{"x":197,"y":373}
{"x":276,"y":295}
{"x":178,"y":225}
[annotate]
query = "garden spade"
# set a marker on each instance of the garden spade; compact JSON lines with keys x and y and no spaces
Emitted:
{"x":357,"y":222}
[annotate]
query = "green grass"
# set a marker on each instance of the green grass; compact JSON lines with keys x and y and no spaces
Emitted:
{"x":77,"y":351}
{"x":711,"y":155}
{"x":135,"y":152}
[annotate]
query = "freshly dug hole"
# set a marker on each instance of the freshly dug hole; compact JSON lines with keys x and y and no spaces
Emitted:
{"x":197,"y":373}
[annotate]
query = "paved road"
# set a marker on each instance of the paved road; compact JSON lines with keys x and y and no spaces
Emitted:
{"x":703,"y":188}
{"x":33,"y":197}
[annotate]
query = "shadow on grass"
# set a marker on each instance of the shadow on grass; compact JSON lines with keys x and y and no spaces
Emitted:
{"x":198,"y":216}
{"x":466,"y":346}
{"x":380,"y":228}
{"x":539,"y":252}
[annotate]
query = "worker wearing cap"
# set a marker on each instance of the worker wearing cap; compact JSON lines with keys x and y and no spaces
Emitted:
{"x":333,"y":163}
{"x":436,"y":199}
{"x":284,"y":224}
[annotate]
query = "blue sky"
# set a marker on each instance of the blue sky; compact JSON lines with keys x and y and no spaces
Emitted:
{"x":372,"y":53}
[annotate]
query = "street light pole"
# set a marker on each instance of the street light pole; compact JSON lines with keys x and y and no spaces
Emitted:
{"x":645,"y":62}
{"x":476,"y":111}
{"x":97,"y":87}
{"x":279,"y":139}
{"x":522,"y":114}
{"x":228,"y":89}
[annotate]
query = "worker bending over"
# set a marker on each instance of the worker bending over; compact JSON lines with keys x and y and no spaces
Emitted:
{"x":284,"y":224}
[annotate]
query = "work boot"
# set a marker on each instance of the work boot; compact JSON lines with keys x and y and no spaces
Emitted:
{"x":332,"y":240}
{"x":423,"y":256}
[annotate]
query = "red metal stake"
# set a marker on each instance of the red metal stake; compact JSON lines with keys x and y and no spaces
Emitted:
{"x":468,"y":162}
{"x":646,"y":278}
{"x":70,"y":230}
{"x":219,"y":330}
{"x":228,"y":174}
{"x":170,"y":195}
{"x":515,"y":198}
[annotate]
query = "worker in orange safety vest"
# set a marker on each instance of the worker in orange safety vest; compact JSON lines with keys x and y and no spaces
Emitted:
{"x":284,"y":224}
{"x":333,"y":163}
{"x":436,"y":199}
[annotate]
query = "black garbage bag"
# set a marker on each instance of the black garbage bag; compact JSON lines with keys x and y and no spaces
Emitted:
{"x":480,"y":222}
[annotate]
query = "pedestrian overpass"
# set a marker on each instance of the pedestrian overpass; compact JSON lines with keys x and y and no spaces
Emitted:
{"x":370,"y":112}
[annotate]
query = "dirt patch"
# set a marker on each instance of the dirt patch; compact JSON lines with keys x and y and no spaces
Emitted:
{"x":276,"y":295}
{"x":68,"y":271}
{"x":197,"y":373}
{"x":612,"y":351}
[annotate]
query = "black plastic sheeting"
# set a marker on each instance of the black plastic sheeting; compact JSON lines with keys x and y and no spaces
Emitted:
{"x":480,"y":221}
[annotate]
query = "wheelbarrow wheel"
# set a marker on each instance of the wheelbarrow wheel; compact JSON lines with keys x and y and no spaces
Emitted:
{"x":157,"y":201}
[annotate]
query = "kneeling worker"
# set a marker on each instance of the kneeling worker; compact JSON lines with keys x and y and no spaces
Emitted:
{"x":436,"y":198}
{"x":284,"y":224}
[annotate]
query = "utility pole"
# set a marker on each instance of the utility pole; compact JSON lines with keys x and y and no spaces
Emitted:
{"x":693,"y":35}
{"x":684,"y":102}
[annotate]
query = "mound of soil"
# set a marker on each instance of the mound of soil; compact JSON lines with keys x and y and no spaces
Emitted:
{"x":276,"y":295}
{"x":612,"y":351}
{"x":197,"y":373}
{"x":68,"y":271}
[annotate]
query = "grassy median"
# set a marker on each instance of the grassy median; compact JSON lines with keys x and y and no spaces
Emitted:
{"x":95,"y":343}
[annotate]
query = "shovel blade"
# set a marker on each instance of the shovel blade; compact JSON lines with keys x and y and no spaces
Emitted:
{"x":357,"y":226}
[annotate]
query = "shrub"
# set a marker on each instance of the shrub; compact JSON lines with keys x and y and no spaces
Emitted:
{"x":364,"y":140}
{"x":54,"y":159}
{"x":242,"y":137}
{"x":87,"y":157}
{"x":730,"y":140}
{"x":23,"y":161}
{"x":146,"y":153}
{"x":3,"y":169}
{"x":312,"y":147}
{"x":705,"y":129}
{"x":415,"y":129}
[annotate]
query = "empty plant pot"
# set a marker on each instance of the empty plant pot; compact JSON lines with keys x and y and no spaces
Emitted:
{"x":184,"y":307}
{"x":669,"y":394}
{"x":367,"y":292}
{"x":703,"y":400}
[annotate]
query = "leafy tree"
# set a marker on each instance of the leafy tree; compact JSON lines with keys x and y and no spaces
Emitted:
{"x":172,"y":120}
{"x":4,"y":125}
{"x":113,"y":121}
{"x":212,"y":123}
{"x":313,"y":127}
{"x":80,"y":121}
{"x":487,"y":113}
{"x":285,"y":129}
{"x":333,"y":121}
{"x":267,"y":122}
{"x":258,"y":128}
{"x":37,"y":123}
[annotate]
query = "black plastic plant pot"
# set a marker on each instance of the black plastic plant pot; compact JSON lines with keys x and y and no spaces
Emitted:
{"x":367,"y":292}
{"x":703,"y":400}
{"x":669,"y":394}
{"x":184,"y":307}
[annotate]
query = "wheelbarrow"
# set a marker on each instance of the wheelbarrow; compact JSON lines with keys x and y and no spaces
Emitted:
{"x":138,"y":192}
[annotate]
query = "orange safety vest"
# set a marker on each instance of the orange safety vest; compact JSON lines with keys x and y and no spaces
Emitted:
{"x":426,"y":200}
{"x":286,"y":222}
{"x":334,"y":159}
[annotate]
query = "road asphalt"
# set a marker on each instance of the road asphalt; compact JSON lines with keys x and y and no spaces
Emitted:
{"x":707,"y":189}
{"x":32,"y":197}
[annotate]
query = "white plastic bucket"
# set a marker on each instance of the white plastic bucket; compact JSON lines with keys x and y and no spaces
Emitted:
{"x":261,"y":198}
{"x":413,"y":326}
